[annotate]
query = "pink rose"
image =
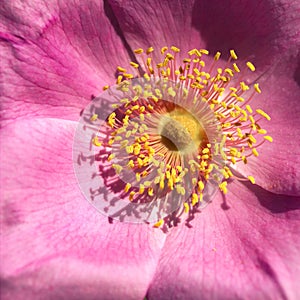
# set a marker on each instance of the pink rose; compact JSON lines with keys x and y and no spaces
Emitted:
{"x":54,"y":245}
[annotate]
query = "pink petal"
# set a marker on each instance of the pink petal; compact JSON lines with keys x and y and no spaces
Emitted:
{"x":247,"y":249}
{"x":56,"y":56}
{"x":54,"y":245}
{"x":260,"y":30}
{"x":158,"y":24}
{"x":277,"y":168}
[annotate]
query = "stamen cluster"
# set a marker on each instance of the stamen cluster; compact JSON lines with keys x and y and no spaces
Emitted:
{"x":181,"y":126}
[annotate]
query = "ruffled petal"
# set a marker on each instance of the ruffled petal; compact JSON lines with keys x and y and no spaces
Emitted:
{"x":56,"y":56}
{"x":244,"y":248}
{"x":54,"y":245}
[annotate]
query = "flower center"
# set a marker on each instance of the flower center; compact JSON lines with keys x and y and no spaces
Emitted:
{"x":180,"y":131}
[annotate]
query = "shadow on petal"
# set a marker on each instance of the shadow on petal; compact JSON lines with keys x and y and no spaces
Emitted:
{"x":248,"y":26}
{"x":274,"y":203}
{"x":297,"y":72}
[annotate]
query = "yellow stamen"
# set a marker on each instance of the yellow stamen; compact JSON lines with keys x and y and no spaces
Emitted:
{"x":257,"y":89}
{"x":131,"y":195}
{"x":120,"y":69}
{"x":217,"y":56}
{"x":111,"y":157}
{"x":127,"y":187}
{"x":94,"y":117}
{"x":149,"y":50}
{"x":262,"y":113}
{"x":233,"y":54}
{"x":252,"y":180}
{"x":248,"y":107}
{"x":163,"y":50}
{"x":96,"y":142}
{"x":204,"y":51}
{"x":254,"y":151}
{"x":142,"y":189}
{"x":250,"y":66}
{"x":195,"y":199}
{"x":159,"y":223}
{"x":175,"y":49}
{"x":117,"y":168}
{"x":236,"y":68}
{"x":138,"y":51}
{"x":186,"y":207}
{"x":119,"y":79}
{"x":223,"y":187}
{"x":261,"y":131}
{"x":134,"y":65}
{"x":150,"y":191}
{"x":268,"y":138}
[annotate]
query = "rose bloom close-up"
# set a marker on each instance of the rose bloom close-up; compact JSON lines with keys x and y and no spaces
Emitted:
{"x":150,"y":149}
